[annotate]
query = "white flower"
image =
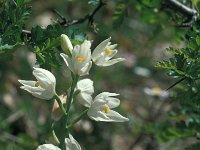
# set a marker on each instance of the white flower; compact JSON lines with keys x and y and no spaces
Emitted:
{"x":86,"y":89}
{"x":156,"y":91}
{"x":80,"y":62}
{"x":71,"y":143}
{"x":100,"y":109}
{"x":104,"y":52}
{"x":48,"y":147}
{"x":66,"y":44}
{"x":44,"y":87}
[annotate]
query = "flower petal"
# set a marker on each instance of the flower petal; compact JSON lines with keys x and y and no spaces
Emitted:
{"x":28,"y":83}
{"x":104,"y":95}
{"x":97,"y":115}
{"x":112,"y":102}
{"x":71,"y":143}
{"x":100,"y":48}
{"x":68,"y":61}
{"x":86,"y":86}
{"x":116,"y":117}
{"x":66,"y":44}
{"x":112,"y":62}
{"x":85,"y":70}
{"x":48,"y":147}
{"x":84,"y":99}
{"x":41,"y":74}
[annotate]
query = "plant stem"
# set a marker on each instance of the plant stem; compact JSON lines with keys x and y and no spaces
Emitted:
{"x":65,"y":120}
{"x":78,"y":118}
{"x":60,"y":103}
{"x":70,"y":100}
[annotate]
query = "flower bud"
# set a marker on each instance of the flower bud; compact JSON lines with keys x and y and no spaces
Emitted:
{"x":66,"y":44}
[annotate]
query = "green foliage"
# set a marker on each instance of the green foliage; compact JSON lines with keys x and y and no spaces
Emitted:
{"x":13,"y":17}
{"x":46,"y":43}
{"x":184,"y":118}
{"x":185,"y":61}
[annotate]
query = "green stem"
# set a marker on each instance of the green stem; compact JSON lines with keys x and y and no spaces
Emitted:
{"x":65,"y":119}
{"x":69,"y":102}
{"x":78,"y":118}
{"x":60,"y":103}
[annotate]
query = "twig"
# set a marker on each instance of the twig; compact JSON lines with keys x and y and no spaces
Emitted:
{"x":89,"y":17}
{"x":188,"y":12}
{"x":67,"y":23}
{"x":182,"y":79}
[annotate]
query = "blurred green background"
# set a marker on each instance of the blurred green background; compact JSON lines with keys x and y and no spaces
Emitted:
{"x":142,"y":32}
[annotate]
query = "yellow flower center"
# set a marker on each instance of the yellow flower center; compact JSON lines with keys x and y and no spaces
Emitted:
{"x":37,"y":83}
{"x":108,"y":51}
{"x":80,"y":58}
{"x":156,"y":90}
{"x":106,"y":109}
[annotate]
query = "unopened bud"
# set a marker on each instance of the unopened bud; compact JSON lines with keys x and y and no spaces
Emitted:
{"x":66,"y":44}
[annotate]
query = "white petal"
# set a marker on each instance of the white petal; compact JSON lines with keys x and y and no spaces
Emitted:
{"x":116,"y":117}
{"x":97,"y":115}
{"x":84,"y":99}
{"x":104,"y":95}
{"x":98,"y":102}
{"x":71,"y":143}
{"x":100,"y":48}
{"x":86,"y":85}
{"x":68,"y":62}
{"x":113,"y":46}
{"x":32,"y":89}
{"x":112,"y":102}
{"x":45,"y":73}
{"x":48,"y":147}
{"x":85,"y":70}
{"x":108,"y":99}
{"x":29,"y":83}
{"x":66,"y":43}
{"x":111,"y":62}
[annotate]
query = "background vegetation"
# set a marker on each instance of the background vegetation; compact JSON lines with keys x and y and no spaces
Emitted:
{"x":160,"y":41}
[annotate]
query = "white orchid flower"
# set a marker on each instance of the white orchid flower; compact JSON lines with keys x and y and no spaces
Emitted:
{"x":66,"y":44}
{"x":100,"y":109}
{"x":44,"y":87}
{"x":48,"y":147}
{"x":70,"y":144}
{"x":86,"y":89}
{"x":104,"y":52}
{"x":80,"y":62}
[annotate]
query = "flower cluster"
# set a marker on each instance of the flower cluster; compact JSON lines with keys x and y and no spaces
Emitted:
{"x":78,"y":59}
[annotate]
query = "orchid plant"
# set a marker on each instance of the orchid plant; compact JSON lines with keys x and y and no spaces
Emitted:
{"x":79,"y":60}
